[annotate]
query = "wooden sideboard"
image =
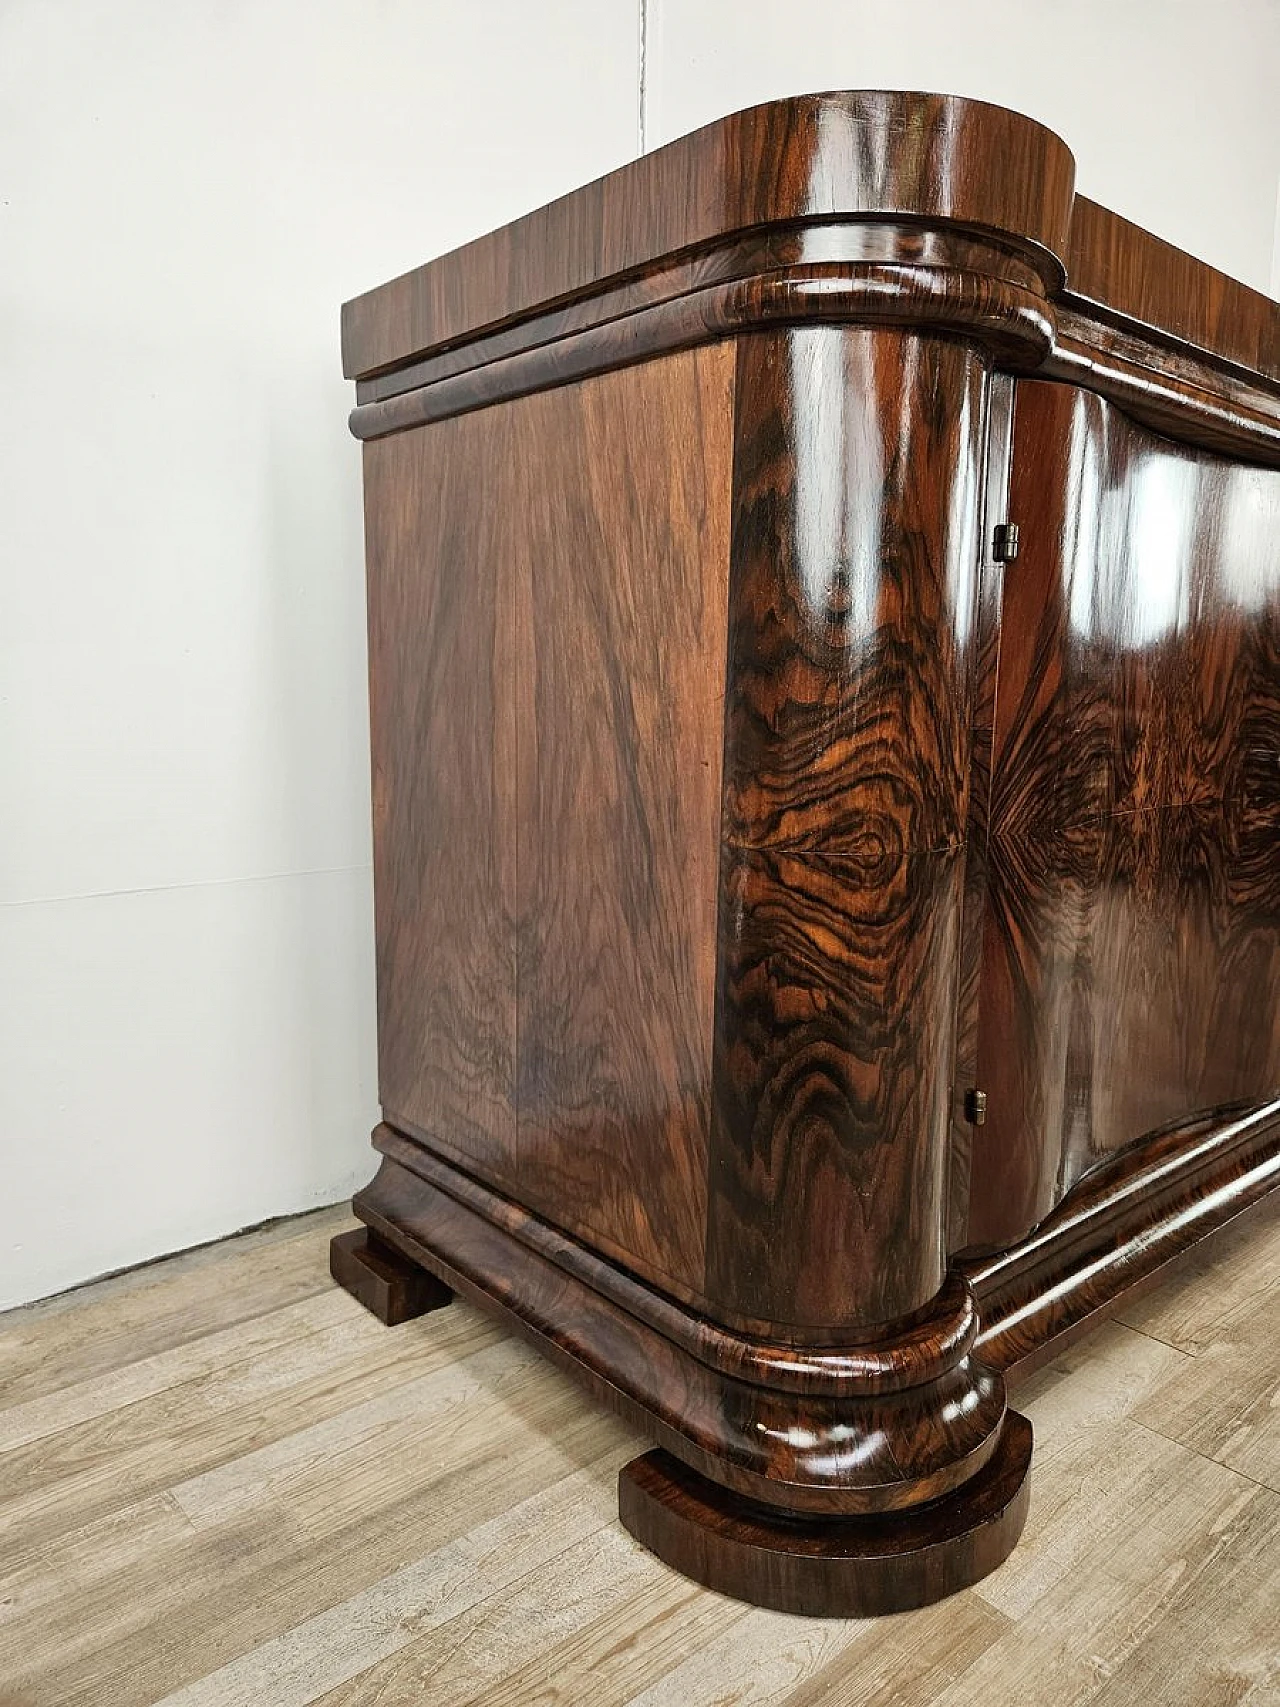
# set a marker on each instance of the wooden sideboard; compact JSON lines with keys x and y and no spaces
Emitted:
{"x":824,"y":629}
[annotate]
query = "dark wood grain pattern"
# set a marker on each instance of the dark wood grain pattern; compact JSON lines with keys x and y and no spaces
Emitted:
{"x":443,"y":734}
{"x":1131,"y":967}
{"x":833,"y":1568}
{"x":873,"y":1439}
{"x":814,"y":158}
{"x":547,"y":657}
{"x":392,"y":1288}
{"x":847,"y":720}
{"x":626,"y":553}
{"x":824,"y":961}
{"x":1116,"y":267}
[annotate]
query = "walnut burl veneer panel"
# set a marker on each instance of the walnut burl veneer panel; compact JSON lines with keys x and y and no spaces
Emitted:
{"x":855,"y":564}
{"x":547,"y":589}
{"x":1131,"y":970}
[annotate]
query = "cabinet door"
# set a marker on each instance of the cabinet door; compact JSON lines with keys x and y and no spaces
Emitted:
{"x":1130,"y":940}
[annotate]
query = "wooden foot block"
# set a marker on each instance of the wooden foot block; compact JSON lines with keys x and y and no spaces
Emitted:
{"x":830,"y":1567}
{"x":385,"y":1282}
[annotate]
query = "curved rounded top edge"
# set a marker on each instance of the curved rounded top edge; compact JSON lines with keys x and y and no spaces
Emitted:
{"x":910,"y":151}
{"x":811,"y":157}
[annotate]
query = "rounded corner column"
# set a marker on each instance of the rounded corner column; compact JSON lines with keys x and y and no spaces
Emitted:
{"x":853,"y":594}
{"x":853,"y":601}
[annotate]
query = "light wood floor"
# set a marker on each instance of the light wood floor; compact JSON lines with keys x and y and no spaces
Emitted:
{"x":224,"y":1485}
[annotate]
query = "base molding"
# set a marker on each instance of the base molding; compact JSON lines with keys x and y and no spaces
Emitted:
{"x":835,"y":1479}
{"x":1119,"y":1231}
{"x":834,"y":1567}
{"x":847,"y":1450}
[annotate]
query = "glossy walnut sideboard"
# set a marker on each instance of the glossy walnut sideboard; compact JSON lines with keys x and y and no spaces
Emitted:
{"x":824,"y":623}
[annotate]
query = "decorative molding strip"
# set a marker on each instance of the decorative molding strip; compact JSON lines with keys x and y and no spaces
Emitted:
{"x":843,"y":1455}
{"x":931,"y":279}
{"x":849,"y":244}
{"x":918,"y":1353}
{"x":1121,"y":1225}
{"x":1012,"y":321}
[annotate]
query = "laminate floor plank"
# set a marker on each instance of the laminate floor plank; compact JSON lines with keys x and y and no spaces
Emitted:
{"x":619,"y":1651}
{"x":1226,"y":1405}
{"x":1227,"y":1408}
{"x":1229,"y":1290}
{"x":767,"y":1657}
{"x":269,"y":1498}
{"x":291,"y":1669}
{"x":97,"y":1328}
{"x":65,"y":1479}
{"x":1144,"y":1533}
{"x":274,"y":1338}
{"x":1094,"y":1383}
{"x":601,"y":1616}
{"x":217,"y":1598}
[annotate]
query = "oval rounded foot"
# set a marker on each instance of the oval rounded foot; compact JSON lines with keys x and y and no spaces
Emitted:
{"x":830,"y":1567}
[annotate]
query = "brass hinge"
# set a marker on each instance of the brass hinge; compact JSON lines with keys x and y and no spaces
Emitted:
{"x":1004,"y":545}
{"x":975,"y":1107}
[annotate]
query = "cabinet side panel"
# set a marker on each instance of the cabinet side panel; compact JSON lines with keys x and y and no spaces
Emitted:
{"x":624,"y":518}
{"x":442,"y":725}
{"x":1131,"y":960}
{"x":548,"y":605}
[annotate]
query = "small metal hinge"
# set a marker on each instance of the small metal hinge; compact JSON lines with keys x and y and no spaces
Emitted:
{"x":975,"y":1107}
{"x":1004,"y":546}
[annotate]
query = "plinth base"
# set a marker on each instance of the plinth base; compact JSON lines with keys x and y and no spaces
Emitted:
{"x":394,"y":1289}
{"x":831,"y":1568}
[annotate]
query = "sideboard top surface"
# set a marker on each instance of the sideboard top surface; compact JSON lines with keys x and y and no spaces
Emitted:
{"x":853,"y":156}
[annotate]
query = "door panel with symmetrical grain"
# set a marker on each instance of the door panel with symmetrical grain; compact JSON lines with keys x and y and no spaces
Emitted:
{"x":1131,"y":949}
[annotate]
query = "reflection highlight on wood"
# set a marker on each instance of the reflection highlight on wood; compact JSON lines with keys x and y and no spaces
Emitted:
{"x":362,"y":1555}
{"x":827,"y":959}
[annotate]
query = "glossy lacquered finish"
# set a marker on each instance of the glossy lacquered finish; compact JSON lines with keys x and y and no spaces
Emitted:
{"x":1131,"y":943}
{"x":860,"y":1429}
{"x":748,"y":817}
{"x":829,"y":1568}
{"x":847,"y":715}
{"x":819,"y":158}
{"x":860,"y":206}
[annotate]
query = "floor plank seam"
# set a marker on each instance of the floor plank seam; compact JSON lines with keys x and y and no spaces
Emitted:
{"x":1156,"y":1339}
{"x":1204,"y":1457}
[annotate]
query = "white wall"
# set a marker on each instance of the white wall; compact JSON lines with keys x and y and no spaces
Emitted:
{"x":188,"y":190}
